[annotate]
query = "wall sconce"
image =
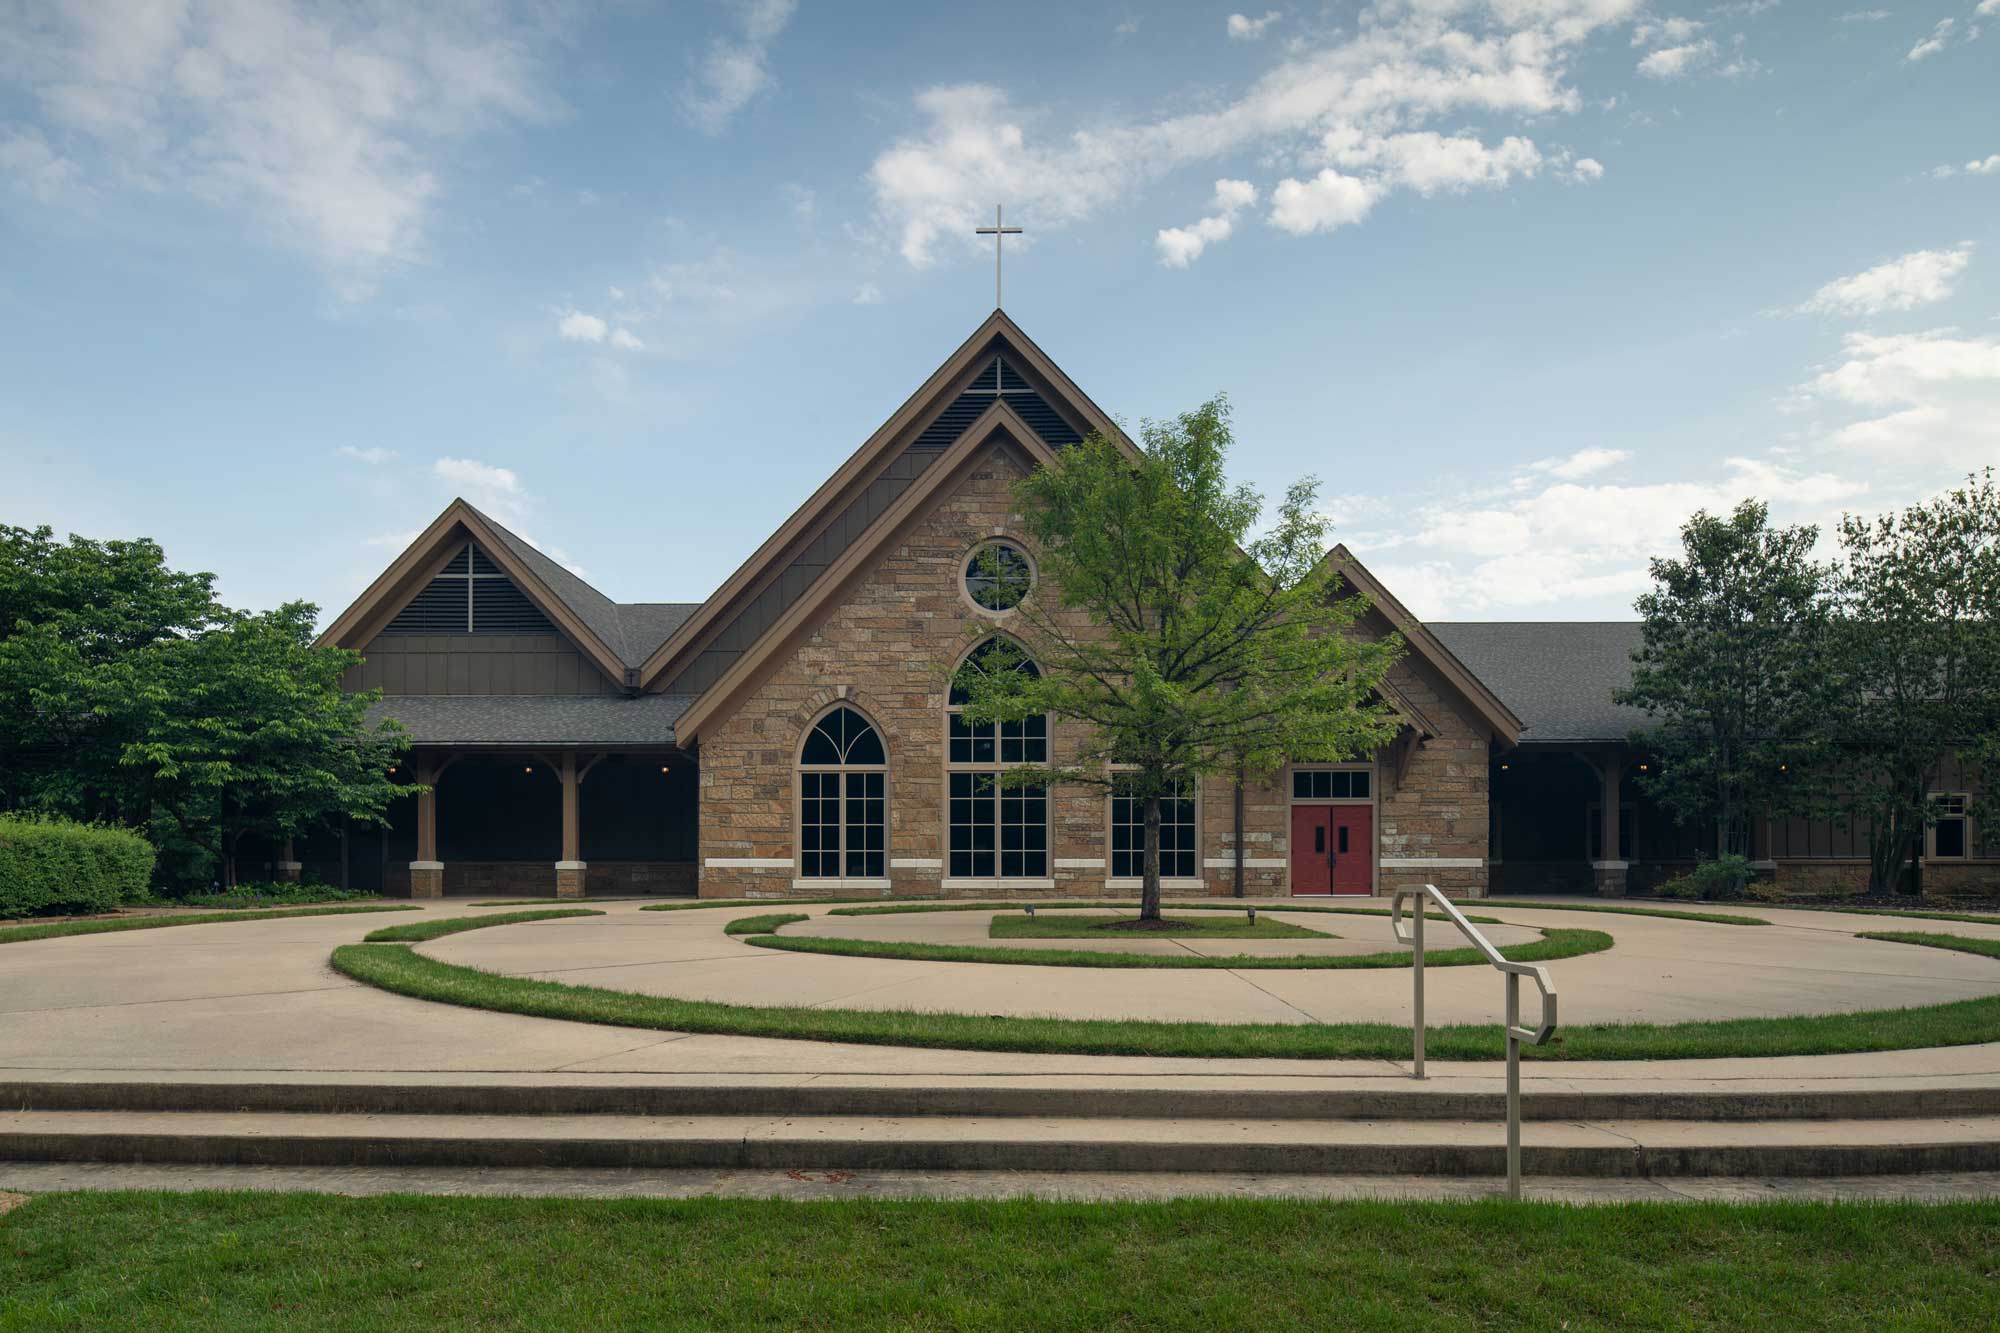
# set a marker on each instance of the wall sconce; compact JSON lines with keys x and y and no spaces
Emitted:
{"x":530,"y":769}
{"x":1503,"y":768}
{"x":1642,"y":768}
{"x":1030,"y":909}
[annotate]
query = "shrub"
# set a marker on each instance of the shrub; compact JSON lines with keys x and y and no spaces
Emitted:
{"x":54,"y":866}
{"x":1723,"y":877}
{"x":270,"y":895}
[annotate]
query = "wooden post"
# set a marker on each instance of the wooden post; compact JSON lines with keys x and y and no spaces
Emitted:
{"x":1609,"y":869}
{"x":571,"y":869}
{"x":427,"y":872}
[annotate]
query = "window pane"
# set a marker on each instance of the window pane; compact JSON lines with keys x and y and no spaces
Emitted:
{"x":1950,"y":837}
{"x":1360,"y":780}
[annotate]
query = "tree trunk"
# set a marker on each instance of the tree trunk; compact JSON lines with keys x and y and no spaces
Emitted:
{"x":1239,"y":830}
{"x":229,"y":861}
{"x":1149,"y":883}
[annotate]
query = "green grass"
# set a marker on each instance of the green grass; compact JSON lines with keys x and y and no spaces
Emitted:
{"x":1553,"y":944}
{"x":1958,"y":943}
{"x":270,"y":895}
{"x":1914,"y":916}
{"x":396,"y":968}
{"x":418,"y":931}
{"x":762,"y":925}
{"x":1171,"y":905}
{"x":112,"y":925}
{"x":1078,"y":926}
{"x":707,"y":904}
{"x":1713,"y":918}
{"x":158,"y":1262}
{"x":549,"y":898}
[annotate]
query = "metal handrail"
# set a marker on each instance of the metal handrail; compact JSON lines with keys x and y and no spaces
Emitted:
{"x":1516,"y":1034}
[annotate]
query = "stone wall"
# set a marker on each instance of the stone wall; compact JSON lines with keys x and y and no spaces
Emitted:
{"x":888,"y":648}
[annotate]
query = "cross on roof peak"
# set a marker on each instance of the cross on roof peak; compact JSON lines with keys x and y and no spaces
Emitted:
{"x":998,"y":231}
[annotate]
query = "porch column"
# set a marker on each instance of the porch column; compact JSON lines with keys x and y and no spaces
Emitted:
{"x":571,"y":871}
{"x":1609,"y":869}
{"x":427,"y":872}
{"x":288,"y":864}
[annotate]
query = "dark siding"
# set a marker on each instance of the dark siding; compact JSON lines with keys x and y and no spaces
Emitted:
{"x":476,"y":664}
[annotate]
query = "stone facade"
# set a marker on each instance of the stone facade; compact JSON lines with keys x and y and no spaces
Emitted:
{"x":888,"y":647}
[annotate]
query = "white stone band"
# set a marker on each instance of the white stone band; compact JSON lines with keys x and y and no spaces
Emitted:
{"x":748,"y":863}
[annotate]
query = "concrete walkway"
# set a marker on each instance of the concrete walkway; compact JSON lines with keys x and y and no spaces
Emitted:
{"x":257,"y":1001}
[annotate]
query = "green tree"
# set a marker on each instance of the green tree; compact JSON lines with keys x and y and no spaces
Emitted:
{"x":1176,"y":645}
{"x":1734,"y":665}
{"x":244,"y":730}
{"x":1919,"y":597}
{"x":74,"y":618}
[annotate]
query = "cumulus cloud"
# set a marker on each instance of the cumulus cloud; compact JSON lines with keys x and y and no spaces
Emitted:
{"x":1677,"y":62}
{"x":320,"y":125}
{"x":1934,"y":43}
{"x":580,"y":326}
{"x":1930,"y":398}
{"x":1358,"y":95}
{"x":1864,"y":16}
{"x":626,"y":341}
{"x":1920,"y":278}
{"x":737,"y":68}
{"x":1243,"y":28}
{"x":371,"y":455}
{"x":1666,"y":32}
{"x":1582,"y":463}
{"x":1181,"y":246}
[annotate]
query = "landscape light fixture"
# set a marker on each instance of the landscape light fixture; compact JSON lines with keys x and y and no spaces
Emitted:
{"x":1031,"y":909}
{"x":1253,"y":915}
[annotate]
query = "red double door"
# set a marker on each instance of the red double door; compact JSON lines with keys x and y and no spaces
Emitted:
{"x":1333,"y":849}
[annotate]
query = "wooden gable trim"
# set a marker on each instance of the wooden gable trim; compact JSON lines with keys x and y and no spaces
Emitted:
{"x":871,"y":458}
{"x":1400,"y":704}
{"x":421,"y":561}
{"x":998,"y":423}
{"x":1428,"y":646}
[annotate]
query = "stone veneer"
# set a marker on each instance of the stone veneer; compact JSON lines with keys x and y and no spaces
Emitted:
{"x":888,"y":647}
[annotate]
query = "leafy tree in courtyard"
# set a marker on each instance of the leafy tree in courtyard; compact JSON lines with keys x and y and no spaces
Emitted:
{"x":1177,"y":645}
{"x":1919,"y":597}
{"x":244,"y":730}
{"x":1734,"y":664}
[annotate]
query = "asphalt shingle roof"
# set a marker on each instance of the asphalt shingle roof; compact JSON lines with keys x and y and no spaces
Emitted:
{"x":534,"y":719}
{"x":1557,"y":676}
{"x":632,"y":630}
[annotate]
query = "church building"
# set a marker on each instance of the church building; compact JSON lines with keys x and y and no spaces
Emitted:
{"x":795,"y":735}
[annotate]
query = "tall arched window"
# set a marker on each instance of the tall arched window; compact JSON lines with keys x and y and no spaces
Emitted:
{"x":843,"y":775}
{"x":995,"y":832}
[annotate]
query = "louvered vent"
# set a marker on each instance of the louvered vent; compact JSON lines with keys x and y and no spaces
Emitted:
{"x":998,"y":380}
{"x":470,"y":596}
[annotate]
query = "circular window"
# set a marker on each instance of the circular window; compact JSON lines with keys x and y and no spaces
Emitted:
{"x":997,"y":576}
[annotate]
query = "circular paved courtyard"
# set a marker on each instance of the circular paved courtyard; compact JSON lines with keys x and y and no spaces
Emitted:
{"x":1657,"y":970}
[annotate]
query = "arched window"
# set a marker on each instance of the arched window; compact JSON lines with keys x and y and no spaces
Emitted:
{"x":995,"y":832}
{"x":843,"y":776}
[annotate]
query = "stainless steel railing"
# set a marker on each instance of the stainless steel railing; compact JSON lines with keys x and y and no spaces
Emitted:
{"x":1516,"y":1034}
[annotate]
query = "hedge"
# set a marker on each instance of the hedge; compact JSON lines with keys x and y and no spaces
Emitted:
{"x":57,"y":867}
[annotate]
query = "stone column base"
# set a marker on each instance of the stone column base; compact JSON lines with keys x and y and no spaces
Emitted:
{"x":288,"y":871}
{"x":1610,"y":877}
{"x":427,"y":879}
{"x":571,"y":877}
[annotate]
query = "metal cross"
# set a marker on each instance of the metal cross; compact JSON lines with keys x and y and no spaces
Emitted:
{"x":997,"y":231}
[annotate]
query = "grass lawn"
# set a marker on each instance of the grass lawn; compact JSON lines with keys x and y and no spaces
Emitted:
{"x":1088,"y":926}
{"x":436,"y":927}
{"x":155,"y":1261}
{"x":396,"y":968}
{"x":891,"y":909}
{"x":1959,"y":943}
{"x":112,"y":924}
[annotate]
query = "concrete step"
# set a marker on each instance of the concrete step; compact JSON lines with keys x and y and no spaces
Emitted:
{"x":1176,"y":1099}
{"x":1610,"y":1148}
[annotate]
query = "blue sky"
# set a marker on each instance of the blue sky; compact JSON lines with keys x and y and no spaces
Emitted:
{"x":1524,"y":282}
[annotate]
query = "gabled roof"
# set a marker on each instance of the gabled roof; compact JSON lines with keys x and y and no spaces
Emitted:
{"x":854,"y":499}
{"x":616,"y":637}
{"x":1559,"y":676}
{"x":1426,"y":645}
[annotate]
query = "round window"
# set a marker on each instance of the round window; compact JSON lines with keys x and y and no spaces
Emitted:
{"x":997,"y":576}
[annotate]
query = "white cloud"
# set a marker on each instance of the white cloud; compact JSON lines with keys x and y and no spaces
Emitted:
{"x":30,"y":165}
{"x":625,"y":341}
{"x":868,"y":294}
{"x":1585,"y":170}
{"x":1181,"y":246}
{"x":736,"y":69}
{"x":578,"y":327}
{"x":1987,"y":166}
{"x":371,"y":455}
{"x":1988,"y":9}
{"x":1242,"y":28}
{"x":1417,"y":61}
{"x":1934,"y":43}
{"x":1864,"y":16}
{"x":1666,"y":32}
{"x":320,"y":125}
{"x":481,"y":483}
{"x":1930,"y":398}
{"x":1582,"y":463}
{"x":1675,"y":62}
{"x":1428,"y":162}
{"x":1917,"y":279}
{"x":1324,"y":203}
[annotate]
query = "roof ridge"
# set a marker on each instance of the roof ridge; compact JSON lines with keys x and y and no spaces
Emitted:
{"x":556,"y":576}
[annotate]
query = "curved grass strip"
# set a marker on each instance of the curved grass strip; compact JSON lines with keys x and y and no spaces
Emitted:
{"x":1555,"y":943}
{"x":1956,"y":943}
{"x":1115,"y":926}
{"x":1913,"y":916}
{"x":707,"y":904}
{"x":1166,"y":905}
{"x":403,"y":971}
{"x":1713,"y":918}
{"x":112,"y":925}
{"x":418,"y":931}
{"x":762,"y":925}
